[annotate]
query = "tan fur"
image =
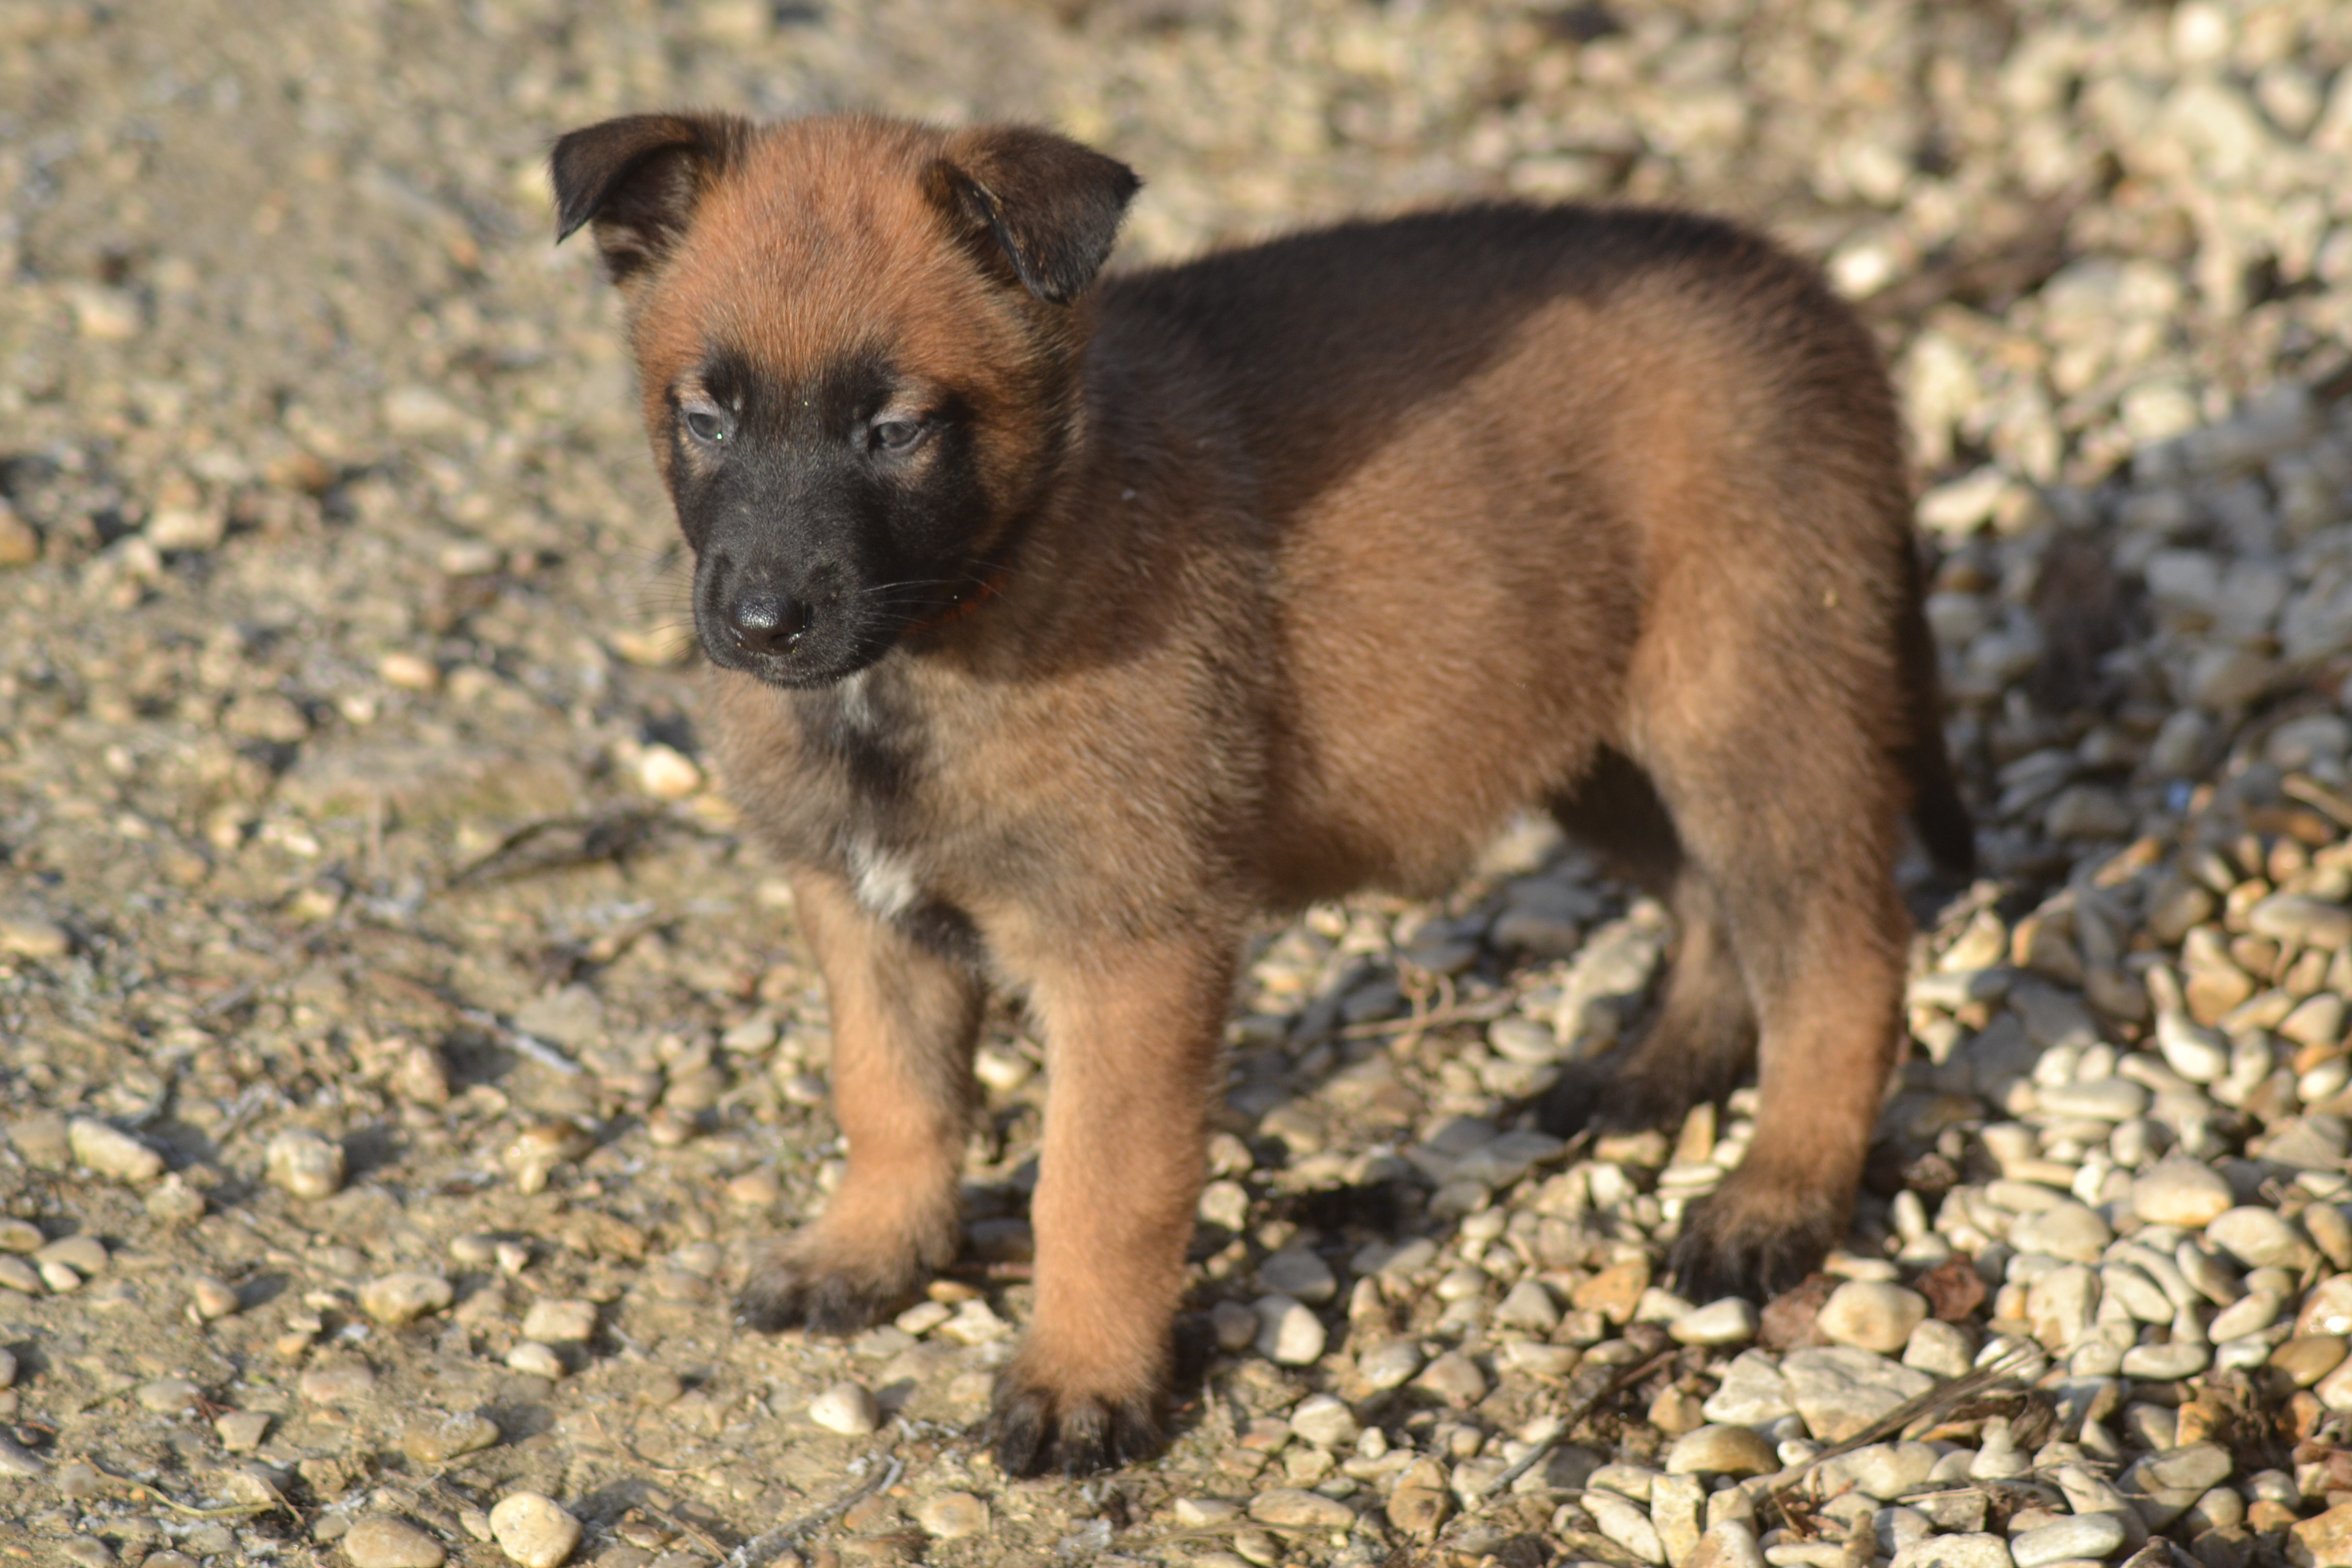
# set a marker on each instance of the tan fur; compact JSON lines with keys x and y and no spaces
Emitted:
{"x":1307,"y":566}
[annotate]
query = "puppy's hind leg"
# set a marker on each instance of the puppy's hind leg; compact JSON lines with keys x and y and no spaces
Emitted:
{"x":1704,"y":1036}
{"x":904,"y":1021}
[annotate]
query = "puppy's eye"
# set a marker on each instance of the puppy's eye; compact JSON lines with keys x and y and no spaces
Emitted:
{"x":897,"y":435}
{"x":706,"y":427}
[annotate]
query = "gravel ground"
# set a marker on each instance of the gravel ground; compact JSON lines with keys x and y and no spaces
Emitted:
{"x":398,"y":1042}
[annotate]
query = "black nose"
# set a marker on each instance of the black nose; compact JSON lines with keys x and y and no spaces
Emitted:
{"x":767,"y":623}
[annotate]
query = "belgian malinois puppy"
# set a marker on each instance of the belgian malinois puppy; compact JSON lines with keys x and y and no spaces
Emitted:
{"x":1063,"y":628}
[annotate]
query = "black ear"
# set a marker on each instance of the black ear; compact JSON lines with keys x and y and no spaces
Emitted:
{"x":637,"y":179}
{"x":1051,"y":206}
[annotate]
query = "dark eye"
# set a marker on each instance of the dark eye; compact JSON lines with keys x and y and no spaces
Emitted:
{"x":896,"y":435}
{"x":705,"y":426}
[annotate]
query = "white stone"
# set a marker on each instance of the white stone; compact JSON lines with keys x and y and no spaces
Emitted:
{"x":2060,"y":1304}
{"x":1953,"y":1552}
{"x":1840,"y":1390}
{"x":1729,"y":1321}
{"x":1872,"y":1316}
{"x":1324,"y":1421}
{"x":533,"y":1529}
{"x":304,"y":1164}
{"x":1626,"y":1525}
{"x":1753,"y":1391}
{"x":2259,"y":1238}
{"x":848,"y":1408}
{"x":1289,"y":1331}
{"x":2181,"y":1192}
{"x":110,"y":1152}
{"x":2090,"y":1535}
{"x":559,"y":1321}
{"x":403,"y":1298}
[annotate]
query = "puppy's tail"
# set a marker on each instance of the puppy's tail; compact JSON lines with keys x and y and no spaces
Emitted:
{"x":1942,"y":818}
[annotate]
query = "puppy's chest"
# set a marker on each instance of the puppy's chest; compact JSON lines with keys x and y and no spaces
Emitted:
{"x":873,"y":797}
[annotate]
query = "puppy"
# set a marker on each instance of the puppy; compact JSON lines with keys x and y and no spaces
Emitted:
{"x":1061,"y":627}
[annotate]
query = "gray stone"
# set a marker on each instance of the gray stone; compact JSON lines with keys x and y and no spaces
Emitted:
{"x":1729,"y":1321}
{"x":1528,"y":1306}
{"x":1454,"y":1378}
{"x":398,"y":1298}
{"x":2091,"y":1535}
{"x":113,"y":1152}
{"x":1872,"y":1315}
{"x":2103,"y":1099}
{"x":2307,"y":923}
{"x":1298,"y":1273}
{"x":1390,"y":1365}
{"x":1289,"y":1331}
{"x":1953,"y":1552}
{"x":2166,"y":1362}
{"x":1324,"y":1421}
{"x":952,"y":1516}
{"x":2259,"y":1238}
{"x":1840,"y":1390}
{"x":1626,"y":1525}
{"x":2070,"y":1230}
{"x":1754,"y":1391}
{"x":1940,"y":1349}
{"x":557,"y":1321}
{"x":848,"y":1408}
{"x":304,"y":1164}
{"x":1882,"y":1471}
{"x":436,"y":1440}
{"x":2059,"y":1306}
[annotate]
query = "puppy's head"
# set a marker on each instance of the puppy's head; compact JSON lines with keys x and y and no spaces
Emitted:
{"x":858,"y":347}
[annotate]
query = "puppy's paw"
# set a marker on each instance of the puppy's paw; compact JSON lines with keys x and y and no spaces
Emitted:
{"x":1611,"y":1096}
{"x":1756,"y":1238}
{"x":1037,"y":1427}
{"x":803,"y":1283}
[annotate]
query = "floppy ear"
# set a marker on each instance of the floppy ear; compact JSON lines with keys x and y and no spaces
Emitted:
{"x":637,"y":179}
{"x":1052,"y":206}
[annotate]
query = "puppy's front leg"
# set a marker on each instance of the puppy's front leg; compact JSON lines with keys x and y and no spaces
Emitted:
{"x":1131,"y":1039}
{"x":904,"y":1021}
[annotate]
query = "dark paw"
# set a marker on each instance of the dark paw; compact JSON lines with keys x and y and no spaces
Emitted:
{"x":1736,"y":1245}
{"x":790,"y":1290}
{"x":1605,"y":1098}
{"x":1035,"y":1430}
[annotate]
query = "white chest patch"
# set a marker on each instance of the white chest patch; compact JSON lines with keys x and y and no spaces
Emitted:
{"x":885,"y":881}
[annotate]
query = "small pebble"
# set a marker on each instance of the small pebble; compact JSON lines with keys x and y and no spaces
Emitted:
{"x":1454,"y":1378}
{"x":2180,"y":1191}
{"x":1390,"y":1365}
{"x":305,"y":1164}
{"x":2259,"y":1238}
{"x":210,"y":1298}
{"x":1729,"y":1321}
{"x":2090,"y":1535}
{"x":1289,"y":1331}
{"x":241,"y":1431}
{"x":534,"y":1531}
{"x":536,"y":1360}
{"x":1324,"y":1421}
{"x":1716,"y":1450}
{"x":952,"y":1516}
{"x":343,"y":1382}
{"x":167,"y":1396}
{"x":848,"y":1408}
{"x":1287,"y":1507}
{"x":1196,"y":1514}
{"x":403,"y":1297}
{"x":436,"y":1440}
{"x":1872,"y":1316}
{"x":560,"y":1322}
{"x":113,"y":1152}
{"x":378,"y":1541}
{"x":21,"y":1236}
